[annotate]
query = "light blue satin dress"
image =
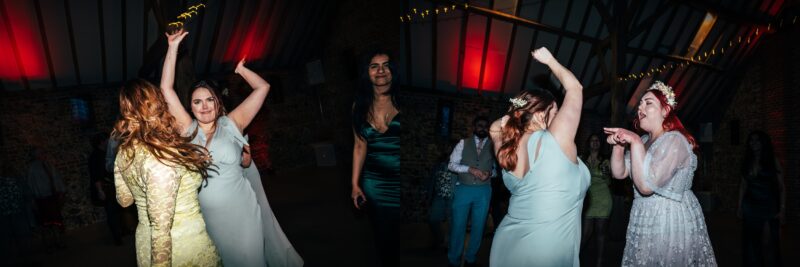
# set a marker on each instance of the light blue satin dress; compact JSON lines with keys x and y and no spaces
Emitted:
{"x":236,"y":210}
{"x":543,"y":224}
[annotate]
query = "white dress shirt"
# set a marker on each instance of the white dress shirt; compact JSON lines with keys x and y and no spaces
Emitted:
{"x":455,"y":157}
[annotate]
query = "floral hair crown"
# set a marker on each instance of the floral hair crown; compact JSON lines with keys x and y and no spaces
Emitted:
{"x":667,"y":91}
{"x":518,"y":102}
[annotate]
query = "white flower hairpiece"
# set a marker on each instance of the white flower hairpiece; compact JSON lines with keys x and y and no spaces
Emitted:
{"x":666,"y":90}
{"x":518,"y":102}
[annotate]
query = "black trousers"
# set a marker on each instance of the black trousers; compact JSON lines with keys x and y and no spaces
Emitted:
{"x":754,"y":253}
{"x":386,"y":227}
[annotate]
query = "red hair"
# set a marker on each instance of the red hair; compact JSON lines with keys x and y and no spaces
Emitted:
{"x":519,"y":118}
{"x":146,"y":121}
{"x":671,"y":121}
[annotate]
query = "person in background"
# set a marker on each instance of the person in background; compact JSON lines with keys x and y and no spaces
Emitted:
{"x":441,"y":184}
{"x":375,"y":179}
{"x":472,"y":159}
{"x":101,"y":186}
{"x":762,"y":202}
{"x":48,"y":190}
{"x":15,"y":223}
{"x":597,"y":207}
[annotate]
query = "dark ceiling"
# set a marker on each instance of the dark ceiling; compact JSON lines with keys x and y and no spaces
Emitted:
{"x":484,"y":47}
{"x":699,"y":47}
{"x":80,"y":43}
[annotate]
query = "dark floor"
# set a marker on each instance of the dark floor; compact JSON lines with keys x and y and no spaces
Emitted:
{"x":313,"y":208}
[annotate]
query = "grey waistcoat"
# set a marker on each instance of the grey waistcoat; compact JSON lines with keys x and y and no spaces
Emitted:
{"x":483,"y":162}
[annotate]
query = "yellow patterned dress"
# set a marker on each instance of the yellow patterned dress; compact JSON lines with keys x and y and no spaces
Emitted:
{"x":171,"y":230}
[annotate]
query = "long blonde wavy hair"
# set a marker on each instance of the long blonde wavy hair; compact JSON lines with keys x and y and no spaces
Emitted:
{"x":145,"y":121}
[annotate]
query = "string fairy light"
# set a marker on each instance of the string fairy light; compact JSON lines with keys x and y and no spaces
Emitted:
{"x":422,"y":13}
{"x":745,"y":38}
{"x":185,"y":16}
{"x":419,"y":13}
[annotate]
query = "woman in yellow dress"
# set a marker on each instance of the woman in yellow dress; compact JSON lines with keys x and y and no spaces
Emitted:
{"x":161,"y":171}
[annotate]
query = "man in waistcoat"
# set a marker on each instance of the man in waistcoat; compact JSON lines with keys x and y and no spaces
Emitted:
{"x":473,"y":160}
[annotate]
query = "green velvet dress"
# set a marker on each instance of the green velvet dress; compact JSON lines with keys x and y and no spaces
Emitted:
{"x":380,"y":176}
{"x":380,"y":182}
{"x":598,"y":204}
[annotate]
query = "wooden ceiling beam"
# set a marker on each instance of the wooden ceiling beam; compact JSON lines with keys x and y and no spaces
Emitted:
{"x":532,"y":47}
{"x":604,"y":12}
{"x":519,"y":20}
{"x":510,"y":49}
{"x":724,"y":12}
{"x":648,"y":22}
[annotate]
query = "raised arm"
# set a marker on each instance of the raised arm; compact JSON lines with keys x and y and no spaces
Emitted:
{"x":565,"y":123}
{"x":168,"y":81}
{"x":161,"y":182}
{"x":243,"y":114}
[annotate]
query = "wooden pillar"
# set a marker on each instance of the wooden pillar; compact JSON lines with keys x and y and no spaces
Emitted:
{"x":617,"y":31}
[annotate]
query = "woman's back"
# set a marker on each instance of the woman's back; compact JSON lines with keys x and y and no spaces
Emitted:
{"x":542,"y":226}
{"x":144,"y":175}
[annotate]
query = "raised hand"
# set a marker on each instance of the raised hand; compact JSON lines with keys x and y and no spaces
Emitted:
{"x":240,"y":66}
{"x":543,"y":55}
{"x":176,"y":37}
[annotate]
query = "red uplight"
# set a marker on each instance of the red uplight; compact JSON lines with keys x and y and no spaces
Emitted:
{"x":29,"y":48}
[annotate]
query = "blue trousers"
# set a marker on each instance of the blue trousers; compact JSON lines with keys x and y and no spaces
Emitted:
{"x":468,"y":200}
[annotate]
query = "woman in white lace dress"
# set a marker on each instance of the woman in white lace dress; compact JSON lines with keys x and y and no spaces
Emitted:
{"x":667,"y":227}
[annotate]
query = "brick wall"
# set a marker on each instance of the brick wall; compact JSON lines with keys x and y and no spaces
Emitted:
{"x":766,"y":99}
{"x":43,"y":119}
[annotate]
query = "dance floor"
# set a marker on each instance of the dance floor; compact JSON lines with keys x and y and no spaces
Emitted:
{"x":313,"y":207}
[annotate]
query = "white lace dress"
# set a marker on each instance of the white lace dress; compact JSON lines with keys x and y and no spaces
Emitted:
{"x":667,"y":228}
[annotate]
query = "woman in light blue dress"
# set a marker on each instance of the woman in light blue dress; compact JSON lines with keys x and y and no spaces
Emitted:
{"x":535,"y":146}
{"x":237,"y":214}
{"x":666,"y":227}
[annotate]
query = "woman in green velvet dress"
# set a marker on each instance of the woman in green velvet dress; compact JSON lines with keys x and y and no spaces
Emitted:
{"x":376,"y":153}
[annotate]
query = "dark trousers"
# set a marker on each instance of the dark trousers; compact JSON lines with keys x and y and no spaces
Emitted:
{"x":754,"y":253}
{"x":386,"y":226}
{"x":470,"y":203}
{"x":114,"y":219}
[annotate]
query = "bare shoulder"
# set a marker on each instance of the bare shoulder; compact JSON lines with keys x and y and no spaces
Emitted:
{"x":498,"y":124}
{"x":496,"y":129}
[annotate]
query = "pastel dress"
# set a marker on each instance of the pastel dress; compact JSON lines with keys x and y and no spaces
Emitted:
{"x":170,"y":221}
{"x":667,"y":228}
{"x":237,"y":213}
{"x":543,"y":224}
{"x":598,"y":204}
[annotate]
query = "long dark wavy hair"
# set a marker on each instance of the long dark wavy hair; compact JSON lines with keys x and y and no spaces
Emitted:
{"x":587,"y":149}
{"x":766,"y":157}
{"x":519,"y":118}
{"x":365,"y":93}
{"x":145,"y":121}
